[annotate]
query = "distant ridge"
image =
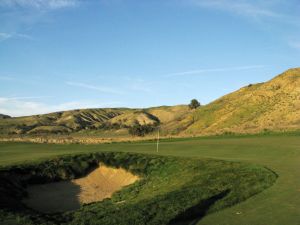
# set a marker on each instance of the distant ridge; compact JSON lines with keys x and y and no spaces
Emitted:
{"x":107,"y":122}
{"x":269,"y":106}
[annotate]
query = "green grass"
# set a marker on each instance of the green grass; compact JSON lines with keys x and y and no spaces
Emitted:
{"x":170,"y":189}
{"x":277,"y":205}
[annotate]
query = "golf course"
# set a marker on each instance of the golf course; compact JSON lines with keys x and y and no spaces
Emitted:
{"x":136,"y":112}
{"x":275,"y":205}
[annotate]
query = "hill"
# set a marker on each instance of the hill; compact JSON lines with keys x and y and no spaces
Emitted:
{"x":273,"y":105}
{"x":103,"y":122}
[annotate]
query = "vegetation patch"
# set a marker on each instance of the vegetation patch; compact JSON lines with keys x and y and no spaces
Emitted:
{"x":170,"y":190}
{"x":141,"y":130}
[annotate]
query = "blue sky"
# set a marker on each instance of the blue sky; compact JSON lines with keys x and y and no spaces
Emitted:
{"x":66,"y":54}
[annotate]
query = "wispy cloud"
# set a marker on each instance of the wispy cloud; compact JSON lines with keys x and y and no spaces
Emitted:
{"x":22,"y":106}
{"x":253,"y":9}
{"x":18,"y":14}
{"x":40,"y":4}
{"x":224,"y":69}
{"x":107,"y":90}
{"x":6,"y":36}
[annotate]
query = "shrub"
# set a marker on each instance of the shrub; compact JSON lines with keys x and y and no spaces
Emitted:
{"x":141,"y":130}
{"x":194,"y":104}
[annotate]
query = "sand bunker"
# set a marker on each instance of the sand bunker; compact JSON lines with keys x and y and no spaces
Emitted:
{"x":69,"y":195}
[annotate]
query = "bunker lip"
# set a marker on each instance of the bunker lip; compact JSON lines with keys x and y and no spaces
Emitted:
{"x":62,"y":196}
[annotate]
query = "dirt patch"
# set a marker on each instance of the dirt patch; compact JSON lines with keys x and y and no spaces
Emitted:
{"x":69,"y":195}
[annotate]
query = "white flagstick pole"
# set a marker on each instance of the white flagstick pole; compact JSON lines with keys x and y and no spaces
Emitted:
{"x":157,"y":143}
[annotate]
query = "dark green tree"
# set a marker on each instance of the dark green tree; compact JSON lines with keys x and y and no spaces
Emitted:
{"x":194,"y":104}
{"x":141,"y":130}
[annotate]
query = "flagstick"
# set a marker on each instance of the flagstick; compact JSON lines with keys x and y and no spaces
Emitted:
{"x":157,"y":143}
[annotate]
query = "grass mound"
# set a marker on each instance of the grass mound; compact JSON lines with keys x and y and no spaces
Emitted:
{"x":171,"y":190}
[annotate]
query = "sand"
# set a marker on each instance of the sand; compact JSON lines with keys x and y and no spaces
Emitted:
{"x":70,"y":195}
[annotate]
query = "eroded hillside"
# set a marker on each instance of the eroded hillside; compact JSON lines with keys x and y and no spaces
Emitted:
{"x":103,"y":122}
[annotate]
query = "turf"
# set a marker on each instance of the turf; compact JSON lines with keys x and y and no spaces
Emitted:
{"x":171,"y":189}
{"x":277,"y":205}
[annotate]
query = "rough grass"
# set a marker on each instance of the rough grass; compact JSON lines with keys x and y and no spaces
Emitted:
{"x":171,"y":189}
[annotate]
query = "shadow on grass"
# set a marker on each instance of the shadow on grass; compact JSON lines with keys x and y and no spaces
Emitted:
{"x":194,"y":214}
{"x":53,"y":197}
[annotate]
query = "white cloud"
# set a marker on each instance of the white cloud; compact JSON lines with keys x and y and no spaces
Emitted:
{"x":40,"y":4}
{"x":18,"y":14}
{"x":107,"y":90}
{"x":6,"y":36}
{"x":225,"y":69}
{"x":24,"y":36}
{"x":22,"y":107}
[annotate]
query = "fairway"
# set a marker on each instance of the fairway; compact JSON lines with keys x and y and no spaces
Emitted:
{"x":278,"y":205}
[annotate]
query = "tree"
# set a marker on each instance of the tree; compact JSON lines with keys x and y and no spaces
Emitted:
{"x":194,"y":104}
{"x":141,"y":130}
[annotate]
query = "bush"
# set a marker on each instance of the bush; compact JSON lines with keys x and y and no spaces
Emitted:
{"x":194,"y":104}
{"x":141,"y":130}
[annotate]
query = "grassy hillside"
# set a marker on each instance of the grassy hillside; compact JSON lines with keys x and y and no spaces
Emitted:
{"x":274,"y":105}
